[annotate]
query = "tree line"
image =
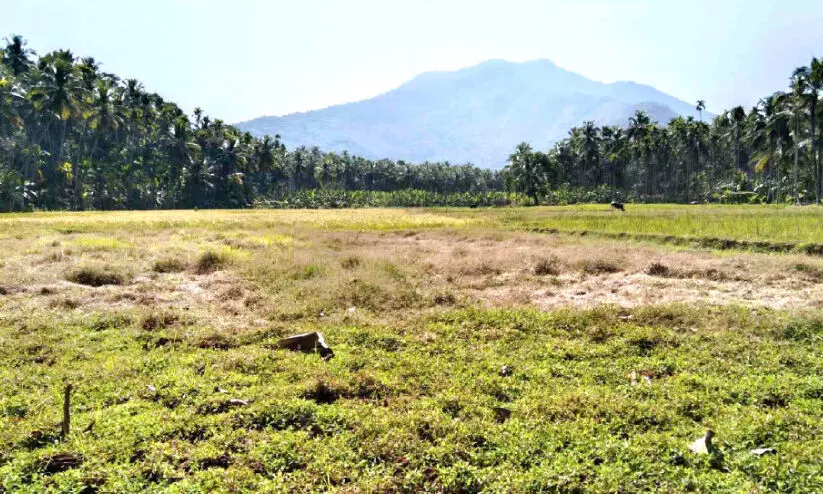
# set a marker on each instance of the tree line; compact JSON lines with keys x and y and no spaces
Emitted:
{"x":75,"y":137}
{"x":769,"y":153}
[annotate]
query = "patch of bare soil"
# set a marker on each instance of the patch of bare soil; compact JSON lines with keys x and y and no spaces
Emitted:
{"x":492,"y":268}
{"x":217,"y":298}
{"x":510,"y":269}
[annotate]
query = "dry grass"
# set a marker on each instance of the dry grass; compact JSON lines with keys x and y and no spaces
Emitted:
{"x":600,"y":265}
{"x":350,"y":262}
{"x":158,"y":320}
{"x":170,"y":265}
{"x":658,"y":269}
{"x":547,"y":266}
{"x":209,"y":262}
{"x":305,"y":272}
{"x":810,"y":271}
{"x":96,"y":275}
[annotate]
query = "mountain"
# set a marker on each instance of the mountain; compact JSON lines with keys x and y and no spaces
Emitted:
{"x":476,"y":114}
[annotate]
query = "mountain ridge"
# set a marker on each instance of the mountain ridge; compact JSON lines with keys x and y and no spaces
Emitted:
{"x":474,"y":114}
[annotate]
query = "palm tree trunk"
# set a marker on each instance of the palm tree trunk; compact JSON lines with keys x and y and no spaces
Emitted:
{"x":796,"y":155}
{"x":737,"y":146}
{"x":816,"y":164}
{"x":777,"y":192}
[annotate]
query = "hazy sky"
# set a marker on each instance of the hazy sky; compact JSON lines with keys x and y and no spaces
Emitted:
{"x":241,"y":59}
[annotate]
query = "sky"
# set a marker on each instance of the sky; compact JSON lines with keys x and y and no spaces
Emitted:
{"x":243,"y":59}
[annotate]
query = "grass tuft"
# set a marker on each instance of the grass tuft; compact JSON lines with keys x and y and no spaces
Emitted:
{"x":547,"y":266}
{"x":158,"y":320}
{"x":322,"y":392}
{"x":350,"y":262}
{"x":600,"y":266}
{"x":658,"y":269}
{"x":209,"y":262}
{"x":170,"y":265}
{"x":96,"y":275}
{"x":812,"y":272}
{"x":444,"y":298}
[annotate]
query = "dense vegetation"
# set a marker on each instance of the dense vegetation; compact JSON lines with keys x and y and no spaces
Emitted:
{"x":75,"y":137}
{"x":768,"y":154}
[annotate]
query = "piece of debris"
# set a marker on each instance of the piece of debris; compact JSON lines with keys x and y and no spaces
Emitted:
{"x":307,"y":342}
{"x":647,"y":379}
{"x":151,"y":388}
{"x":763,"y":451}
{"x":351,"y":310}
{"x":60,"y":462}
{"x":618,"y":205}
{"x":633,"y":377}
{"x":505,"y":371}
{"x":703,"y":446}
{"x":238,"y":402}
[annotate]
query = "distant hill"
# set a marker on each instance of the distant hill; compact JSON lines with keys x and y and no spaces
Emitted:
{"x":477,"y":114}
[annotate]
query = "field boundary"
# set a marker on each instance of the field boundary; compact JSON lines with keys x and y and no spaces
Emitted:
{"x":811,"y":249}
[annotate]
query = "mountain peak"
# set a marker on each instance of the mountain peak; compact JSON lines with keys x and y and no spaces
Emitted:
{"x":475,"y":114}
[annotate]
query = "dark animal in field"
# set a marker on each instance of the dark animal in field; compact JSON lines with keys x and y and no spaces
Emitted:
{"x":618,"y":205}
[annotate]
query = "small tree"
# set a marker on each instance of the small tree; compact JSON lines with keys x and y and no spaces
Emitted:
{"x":527,"y":170}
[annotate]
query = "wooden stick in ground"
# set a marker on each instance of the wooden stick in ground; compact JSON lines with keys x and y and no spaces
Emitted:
{"x":66,"y":424}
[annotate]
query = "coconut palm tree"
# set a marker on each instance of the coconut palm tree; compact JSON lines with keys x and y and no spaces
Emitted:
{"x":701,"y":105}
{"x":770,"y":135}
{"x":589,"y":150}
{"x":799,"y":85}
{"x":15,"y":55}
{"x":638,"y":131}
{"x":10,"y":100}
{"x":58,"y":97}
{"x":814,"y":78}
{"x":738,"y":118}
{"x":527,"y":171}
